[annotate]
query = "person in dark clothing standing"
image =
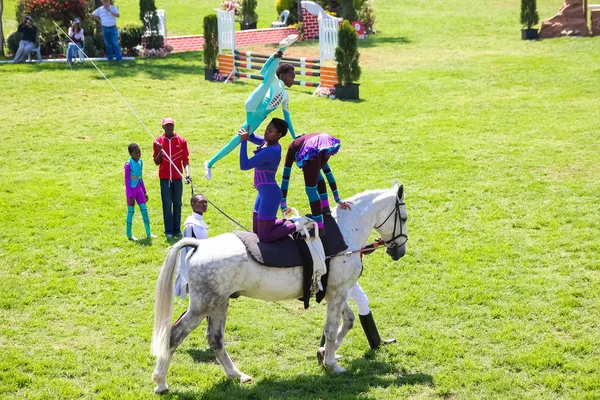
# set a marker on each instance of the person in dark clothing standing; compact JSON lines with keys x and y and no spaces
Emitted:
{"x":29,"y":37}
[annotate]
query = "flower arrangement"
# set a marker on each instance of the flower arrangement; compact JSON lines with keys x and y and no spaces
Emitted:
{"x":367,"y":16}
{"x":232,"y":5}
{"x":219,"y":77}
{"x":58,"y":10}
{"x":152,"y":52}
{"x":326,"y":92}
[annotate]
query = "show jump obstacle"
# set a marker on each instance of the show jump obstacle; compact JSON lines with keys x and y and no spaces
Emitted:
{"x":239,"y":64}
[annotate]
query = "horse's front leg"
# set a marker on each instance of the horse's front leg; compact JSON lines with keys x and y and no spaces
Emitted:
{"x":335,"y":307}
{"x":347,"y":324}
{"x":214,"y":335}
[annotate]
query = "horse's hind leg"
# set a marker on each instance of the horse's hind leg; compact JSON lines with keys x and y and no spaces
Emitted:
{"x":214,"y":335}
{"x":183,"y":327}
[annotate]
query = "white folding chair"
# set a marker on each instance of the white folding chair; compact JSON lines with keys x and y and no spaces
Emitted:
{"x":282,"y":20}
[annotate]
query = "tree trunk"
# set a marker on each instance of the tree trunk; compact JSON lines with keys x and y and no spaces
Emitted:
{"x":1,"y":29}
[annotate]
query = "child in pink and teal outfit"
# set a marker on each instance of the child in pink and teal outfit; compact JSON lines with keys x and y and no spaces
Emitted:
{"x":135,"y":190}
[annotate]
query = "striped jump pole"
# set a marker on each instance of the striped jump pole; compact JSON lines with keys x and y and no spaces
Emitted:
{"x":255,"y":61}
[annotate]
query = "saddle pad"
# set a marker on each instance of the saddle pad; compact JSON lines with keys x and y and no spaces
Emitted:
{"x":284,"y":253}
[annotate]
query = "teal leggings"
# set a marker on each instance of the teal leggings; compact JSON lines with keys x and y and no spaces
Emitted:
{"x":144,"y":211}
{"x":256,"y":109}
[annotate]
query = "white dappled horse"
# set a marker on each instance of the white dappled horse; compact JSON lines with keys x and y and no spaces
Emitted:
{"x":220,"y":268}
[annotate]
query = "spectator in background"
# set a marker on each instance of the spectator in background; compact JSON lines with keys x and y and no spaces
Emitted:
{"x":28,"y":39}
{"x":75,"y":40}
{"x":107,"y":17}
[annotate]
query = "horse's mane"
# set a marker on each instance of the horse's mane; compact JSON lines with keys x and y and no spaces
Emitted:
{"x":357,"y":198}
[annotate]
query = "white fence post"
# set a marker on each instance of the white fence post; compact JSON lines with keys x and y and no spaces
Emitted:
{"x":328,"y":28}
{"x":226,"y":26}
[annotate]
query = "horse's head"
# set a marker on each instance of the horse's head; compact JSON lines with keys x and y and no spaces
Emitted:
{"x":392,"y":223}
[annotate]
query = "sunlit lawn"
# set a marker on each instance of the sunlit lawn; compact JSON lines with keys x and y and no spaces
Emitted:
{"x":494,"y":138}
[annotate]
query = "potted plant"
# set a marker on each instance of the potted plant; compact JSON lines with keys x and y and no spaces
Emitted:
{"x":248,"y":14}
{"x":529,"y":17}
{"x":346,"y":56}
{"x":211,"y":46}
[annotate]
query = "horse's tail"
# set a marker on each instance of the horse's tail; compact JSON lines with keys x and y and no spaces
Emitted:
{"x":163,"y":305}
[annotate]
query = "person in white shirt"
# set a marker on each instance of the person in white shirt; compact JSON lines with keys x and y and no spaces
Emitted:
{"x":75,"y":40}
{"x":194,"y":226}
{"x":107,"y":17}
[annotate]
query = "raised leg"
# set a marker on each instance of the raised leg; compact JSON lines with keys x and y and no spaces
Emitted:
{"x":214,"y":336}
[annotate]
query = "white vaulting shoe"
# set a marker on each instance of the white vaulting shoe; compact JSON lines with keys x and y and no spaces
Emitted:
{"x":207,"y":171}
{"x":287,"y":42}
{"x":302,"y":222}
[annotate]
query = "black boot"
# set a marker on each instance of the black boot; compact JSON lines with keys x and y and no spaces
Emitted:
{"x":371,"y":332}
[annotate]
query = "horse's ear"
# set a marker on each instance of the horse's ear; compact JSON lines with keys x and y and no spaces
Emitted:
{"x":401,"y":192}
{"x":395,"y":185}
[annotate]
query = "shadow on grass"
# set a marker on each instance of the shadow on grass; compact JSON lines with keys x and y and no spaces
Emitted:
{"x":360,"y":376}
{"x":202,"y":356}
{"x":379,"y":39}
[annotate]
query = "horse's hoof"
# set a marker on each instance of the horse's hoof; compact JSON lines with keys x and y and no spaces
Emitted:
{"x":335,"y":368}
{"x":245,"y":378}
{"x":321,"y":355}
{"x":161,"y":389}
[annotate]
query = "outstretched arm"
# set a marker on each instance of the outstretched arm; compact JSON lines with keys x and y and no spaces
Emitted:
{"x":269,"y":69}
{"x":331,"y":180}
{"x":259,"y":159}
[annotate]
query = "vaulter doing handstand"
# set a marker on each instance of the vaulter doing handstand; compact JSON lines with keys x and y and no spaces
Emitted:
{"x":268,"y":96}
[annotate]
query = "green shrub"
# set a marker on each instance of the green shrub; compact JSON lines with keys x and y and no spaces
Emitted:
{"x":291,"y":6}
{"x":211,"y":41}
{"x":131,"y":36}
{"x":348,"y":10}
{"x":90,"y":48}
{"x":154,"y":42}
{"x":248,"y":12}
{"x":12,"y":42}
{"x":346,"y":54}
{"x":529,"y":14}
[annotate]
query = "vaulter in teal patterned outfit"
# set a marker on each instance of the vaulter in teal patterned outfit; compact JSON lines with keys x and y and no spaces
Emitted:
{"x":268,"y":96}
{"x":135,"y":190}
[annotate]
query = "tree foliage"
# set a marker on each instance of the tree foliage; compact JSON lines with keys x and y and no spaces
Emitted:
{"x":346,"y":54}
{"x":529,"y":14}
{"x":211,"y":41}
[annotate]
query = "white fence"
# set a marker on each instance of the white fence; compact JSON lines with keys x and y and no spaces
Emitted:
{"x":226,"y":21}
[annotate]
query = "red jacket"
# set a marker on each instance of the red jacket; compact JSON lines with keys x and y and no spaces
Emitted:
{"x":177,"y":150}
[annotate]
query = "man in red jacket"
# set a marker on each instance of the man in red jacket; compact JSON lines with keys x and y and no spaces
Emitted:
{"x":170,"y":168}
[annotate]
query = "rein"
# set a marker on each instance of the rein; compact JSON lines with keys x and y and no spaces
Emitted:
{"x":369,"y":247}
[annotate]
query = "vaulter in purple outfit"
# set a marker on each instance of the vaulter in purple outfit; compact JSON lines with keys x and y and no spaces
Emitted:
{"x":135,"y":190}
{"x":311,"y":153}
{"x":265,"y":163}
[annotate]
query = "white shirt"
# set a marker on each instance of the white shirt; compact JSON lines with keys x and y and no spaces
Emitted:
{"x":194,"y":223}
{"x":106,"y":18}
{"x":78,"y":37}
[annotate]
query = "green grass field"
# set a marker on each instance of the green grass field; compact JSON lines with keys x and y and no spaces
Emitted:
{"x":494,"y":138}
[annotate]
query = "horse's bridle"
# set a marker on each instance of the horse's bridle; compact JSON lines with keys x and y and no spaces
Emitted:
{"x":396,"y":213}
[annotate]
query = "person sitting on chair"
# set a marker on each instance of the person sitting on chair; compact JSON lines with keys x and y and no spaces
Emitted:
{"x":28,"y":39}
{"x":75,"y":40}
